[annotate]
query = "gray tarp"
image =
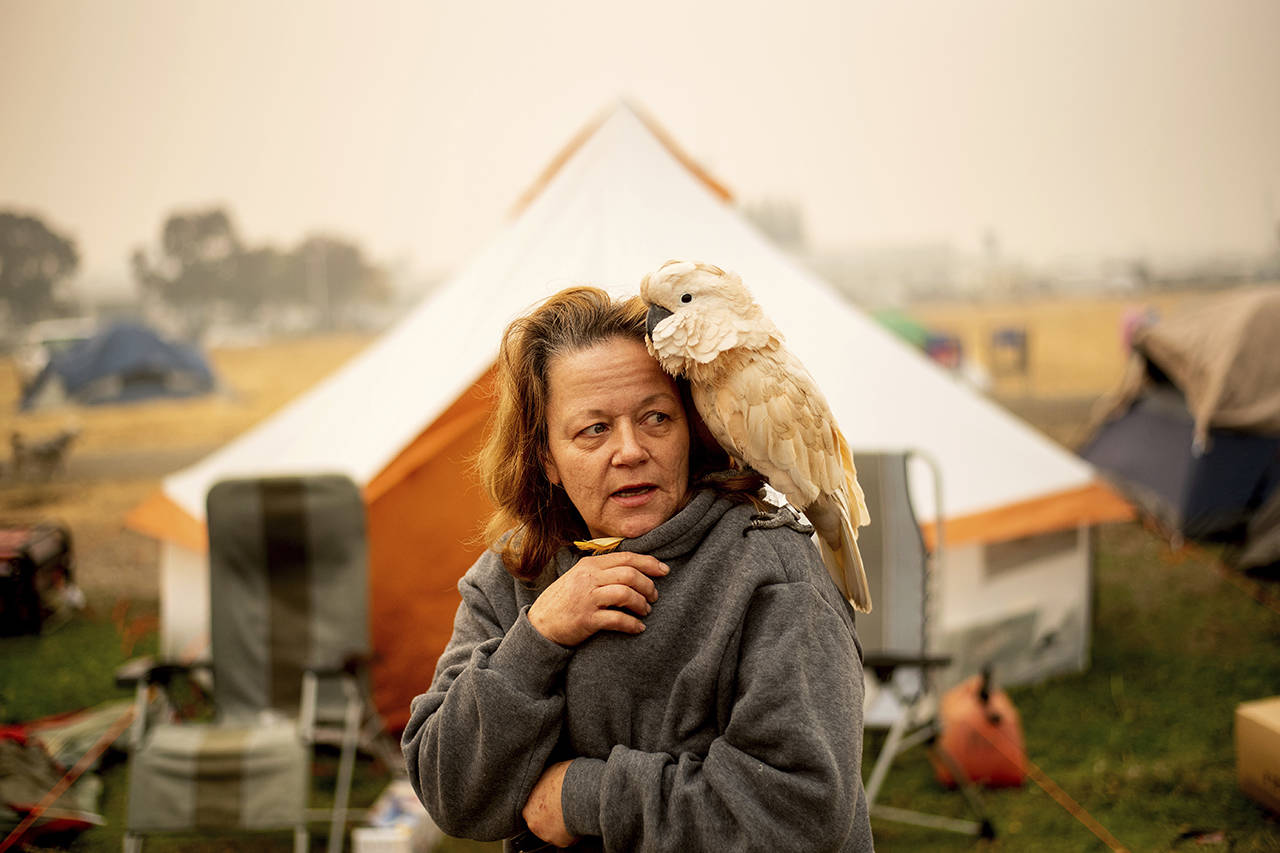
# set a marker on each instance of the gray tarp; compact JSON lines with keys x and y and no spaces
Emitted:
{"x":1224,"y":357}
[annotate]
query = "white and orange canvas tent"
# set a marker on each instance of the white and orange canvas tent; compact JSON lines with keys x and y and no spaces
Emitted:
{"x":404,"y":416}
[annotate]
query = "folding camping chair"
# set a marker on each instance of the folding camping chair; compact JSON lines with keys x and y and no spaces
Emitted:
{"x":288,"y":626}
{"x":895,"y":635}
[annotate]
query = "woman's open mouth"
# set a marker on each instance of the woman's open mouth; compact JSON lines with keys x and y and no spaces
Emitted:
{"x":634,"y":495}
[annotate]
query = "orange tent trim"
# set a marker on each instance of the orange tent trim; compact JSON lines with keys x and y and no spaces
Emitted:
{"x":468,"y":413}
{"x":162,"y":519}
{"x":1093,"y":503}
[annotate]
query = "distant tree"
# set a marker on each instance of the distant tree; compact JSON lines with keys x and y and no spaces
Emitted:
{"x":150,"y":282}
{"x":200,"y":254}
{"x":1140,"y":272}
{"x":34,"y":261}
{"x":203,"y":263}
{"x":262,"y":278}
{"x":332,"y":274}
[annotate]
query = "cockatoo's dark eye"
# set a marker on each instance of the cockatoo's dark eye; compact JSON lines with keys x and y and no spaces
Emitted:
{"x":688,"y":297}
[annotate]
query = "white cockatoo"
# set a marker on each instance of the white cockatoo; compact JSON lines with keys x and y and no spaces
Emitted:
{"x":760,"y":403}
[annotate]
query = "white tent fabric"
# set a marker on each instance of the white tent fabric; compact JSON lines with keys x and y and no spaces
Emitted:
{"x":619,"y":207}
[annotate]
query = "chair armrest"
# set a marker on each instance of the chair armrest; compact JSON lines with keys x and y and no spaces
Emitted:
{"x":883,"y":664}
{"x":150,"y":670}
{"x":351,"y":665}
{"x":328,"y":671}
{"x":348,"y":674}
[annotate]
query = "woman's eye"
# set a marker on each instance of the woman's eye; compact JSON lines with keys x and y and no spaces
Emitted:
{"x":594,"y":429}
{"x":659,"y":417}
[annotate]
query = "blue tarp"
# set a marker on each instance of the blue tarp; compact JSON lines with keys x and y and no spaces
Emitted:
{"x":124,"y":362}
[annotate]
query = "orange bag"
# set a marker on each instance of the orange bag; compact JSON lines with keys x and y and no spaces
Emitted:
{"x":982,"y":733}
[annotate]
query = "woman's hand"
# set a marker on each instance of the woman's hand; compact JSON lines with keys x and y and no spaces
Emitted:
{"x":543,"y":812}
{"x":583,"y":600}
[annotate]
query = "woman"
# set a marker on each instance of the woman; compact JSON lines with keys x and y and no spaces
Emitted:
{"x":698,"y":688}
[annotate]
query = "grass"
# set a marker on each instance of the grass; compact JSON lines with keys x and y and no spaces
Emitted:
{"x":72,"y":667}
{"x":1142,"y":740}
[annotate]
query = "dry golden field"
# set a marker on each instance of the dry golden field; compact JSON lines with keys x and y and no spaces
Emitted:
{"x":1075,"y":345}
{"x":123,"y":451}
{"x":257,"y":381}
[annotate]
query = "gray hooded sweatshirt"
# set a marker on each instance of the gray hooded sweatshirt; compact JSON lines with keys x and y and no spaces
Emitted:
{"x":733,"y":722}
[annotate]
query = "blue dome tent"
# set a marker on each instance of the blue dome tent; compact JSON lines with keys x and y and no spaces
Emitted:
{"x":124,"y":362}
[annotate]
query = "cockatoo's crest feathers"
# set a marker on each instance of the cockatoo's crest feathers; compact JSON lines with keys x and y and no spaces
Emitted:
{"x":712,"y":312}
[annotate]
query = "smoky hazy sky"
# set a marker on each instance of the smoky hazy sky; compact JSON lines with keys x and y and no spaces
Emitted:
{"x":1069,"y":128}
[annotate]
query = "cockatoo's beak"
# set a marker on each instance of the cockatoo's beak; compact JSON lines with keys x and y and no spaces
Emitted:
{"x":656,"y":315}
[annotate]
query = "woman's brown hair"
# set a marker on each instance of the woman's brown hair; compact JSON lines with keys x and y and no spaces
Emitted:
{"x":532,"y":518}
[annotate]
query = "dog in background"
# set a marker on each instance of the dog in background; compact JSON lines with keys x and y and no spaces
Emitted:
{"x":43,"y":458}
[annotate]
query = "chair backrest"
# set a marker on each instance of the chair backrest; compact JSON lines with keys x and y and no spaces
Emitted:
{"x":895,"y":558}
{"x":288,"y":572}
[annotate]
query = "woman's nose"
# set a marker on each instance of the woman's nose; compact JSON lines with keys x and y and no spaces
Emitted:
{"x":628,"y":449}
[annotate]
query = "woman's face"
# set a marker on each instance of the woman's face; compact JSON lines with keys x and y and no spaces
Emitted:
{"x":618,"y":440}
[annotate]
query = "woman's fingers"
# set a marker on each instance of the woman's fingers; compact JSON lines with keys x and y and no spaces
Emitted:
{"x":615,"y":620}
{"x":619,"y":595}
{"x":645,"y":563}
{"x":607,"y":592}
{"x":630,"y":577}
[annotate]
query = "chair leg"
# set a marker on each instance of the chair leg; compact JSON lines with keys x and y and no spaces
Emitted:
{"x":967,"y":788}
{"x":888,"y":752}
{"x":374,"y":737}
{"x":301,"y":841}
{"x":132,"y":843}
{"x":346,"y":766}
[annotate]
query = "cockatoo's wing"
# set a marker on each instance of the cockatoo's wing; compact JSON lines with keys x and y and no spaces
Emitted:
{"x":768,"y":412}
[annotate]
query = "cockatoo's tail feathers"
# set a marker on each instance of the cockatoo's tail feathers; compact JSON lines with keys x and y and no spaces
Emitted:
{"x":859,"y":513}
{"x":845,"y":567}
{"x":838,"y":543}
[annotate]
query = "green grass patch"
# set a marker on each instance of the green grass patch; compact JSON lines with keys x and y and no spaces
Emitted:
{"x":72,"y":666}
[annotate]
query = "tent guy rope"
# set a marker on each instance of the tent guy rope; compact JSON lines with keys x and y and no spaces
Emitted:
{"x":1054,"y":790}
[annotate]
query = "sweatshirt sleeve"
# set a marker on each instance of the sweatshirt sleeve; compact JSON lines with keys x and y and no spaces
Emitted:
{"x":785,"y":773}
{"x":478,"y":739}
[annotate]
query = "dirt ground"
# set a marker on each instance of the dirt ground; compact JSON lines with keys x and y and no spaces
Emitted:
{"x":122,"y":452}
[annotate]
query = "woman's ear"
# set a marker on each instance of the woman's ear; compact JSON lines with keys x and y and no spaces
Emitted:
{"x":549,"y":468}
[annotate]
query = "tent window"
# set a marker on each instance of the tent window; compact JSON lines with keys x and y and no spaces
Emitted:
{"x":1003,"y":557}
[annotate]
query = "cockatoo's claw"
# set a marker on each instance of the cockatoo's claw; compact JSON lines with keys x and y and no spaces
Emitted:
{"x":728,"y":476}
{"x":783,"y":516}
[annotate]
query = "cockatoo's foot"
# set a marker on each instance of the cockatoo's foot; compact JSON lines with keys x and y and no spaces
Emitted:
{"x":729,"y":477}
{"x":740,"y":482}
{"x":778,"y":516}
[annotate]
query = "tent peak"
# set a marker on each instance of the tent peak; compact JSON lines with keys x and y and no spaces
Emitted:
{"x":622,"y":108}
